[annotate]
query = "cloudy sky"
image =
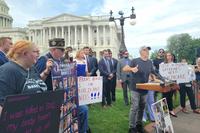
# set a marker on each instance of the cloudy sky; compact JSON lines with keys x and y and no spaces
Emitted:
{"x":156,"y":19}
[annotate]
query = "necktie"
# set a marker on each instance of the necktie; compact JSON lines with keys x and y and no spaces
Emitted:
{"x":108,"y":65}
{"x":111,"y":64}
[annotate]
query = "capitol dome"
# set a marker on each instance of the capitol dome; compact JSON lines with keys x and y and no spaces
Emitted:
{"x":5,"y":19}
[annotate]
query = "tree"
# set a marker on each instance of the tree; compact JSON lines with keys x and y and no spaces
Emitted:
{"x":183,"y":46}
{"x":153,"y":54}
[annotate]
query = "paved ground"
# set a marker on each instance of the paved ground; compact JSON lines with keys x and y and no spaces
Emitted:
{"x":184,"y":123}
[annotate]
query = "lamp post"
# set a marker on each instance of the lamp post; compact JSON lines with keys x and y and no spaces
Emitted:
{"x":122,"y":19}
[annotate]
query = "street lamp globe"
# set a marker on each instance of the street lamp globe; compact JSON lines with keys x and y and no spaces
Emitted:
{"x":132,"y":21}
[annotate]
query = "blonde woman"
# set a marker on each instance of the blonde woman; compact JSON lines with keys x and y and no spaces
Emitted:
{"x":83,"y":110}
{"x":82,"y":68}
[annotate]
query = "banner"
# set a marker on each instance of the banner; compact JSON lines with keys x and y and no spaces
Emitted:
{"x":175,"y":71}
{"x":90,"y":90}
{"x":162,"y":117}
{"x":32,"y":113}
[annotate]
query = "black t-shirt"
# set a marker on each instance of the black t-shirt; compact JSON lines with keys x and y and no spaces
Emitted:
{"x":14,"y":79}
{"x":142,"y":76}
{"x":156,"y":63}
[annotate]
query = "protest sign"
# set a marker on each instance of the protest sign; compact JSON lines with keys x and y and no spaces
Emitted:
{"x":175,"y":71}
{"x":32,"y":113}
{"x":90,"y":90}
{"x":162,"y":117}
{"x":64,"y":77}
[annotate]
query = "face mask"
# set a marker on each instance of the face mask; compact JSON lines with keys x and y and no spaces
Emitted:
{"x":125,"y":56}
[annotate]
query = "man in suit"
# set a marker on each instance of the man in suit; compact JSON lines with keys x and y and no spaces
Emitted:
{"x":124,"y":77}
{"x":5,"y":45}
{"x":106,"y":72}
{"x":92,"y":54}
{"x":114,"y":71}
{"x":92,"y":68}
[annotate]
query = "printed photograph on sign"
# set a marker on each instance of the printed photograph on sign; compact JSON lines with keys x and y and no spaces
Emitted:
{"x":64,"y":77}
{"x":162,"y":117}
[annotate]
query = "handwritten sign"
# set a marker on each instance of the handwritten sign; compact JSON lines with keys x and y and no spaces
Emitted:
{"x":90,"y":90}
{"x":175,"y":71}
{"x":32,"y":113}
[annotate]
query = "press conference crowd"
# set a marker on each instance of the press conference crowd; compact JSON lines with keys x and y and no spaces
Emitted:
{"x":23,"y":70}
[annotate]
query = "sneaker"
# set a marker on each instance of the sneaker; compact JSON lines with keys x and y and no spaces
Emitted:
{"x":140,"y":128}
{"x":144,"y":120}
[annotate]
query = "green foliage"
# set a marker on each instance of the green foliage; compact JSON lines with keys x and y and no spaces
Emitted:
{"x":183,"y":46}
{"x":153,"y":54}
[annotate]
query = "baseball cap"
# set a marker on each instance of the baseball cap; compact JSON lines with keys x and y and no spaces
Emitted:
{"x":145,"y":47}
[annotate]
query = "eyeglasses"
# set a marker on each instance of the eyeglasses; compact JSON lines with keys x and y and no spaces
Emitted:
{"x":36,"y":51}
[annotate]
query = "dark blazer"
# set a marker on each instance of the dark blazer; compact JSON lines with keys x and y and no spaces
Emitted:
{"x":92,"y":66}
{"x":3,"y":58}
{"x":114,"y":66}
{"x":103,"y":70}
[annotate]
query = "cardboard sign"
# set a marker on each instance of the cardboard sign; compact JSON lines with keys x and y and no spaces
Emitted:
{"x":90,"y":90}
{"x":32,"y":113}
{"x":175,"y":71}
{"x":162,"y":117}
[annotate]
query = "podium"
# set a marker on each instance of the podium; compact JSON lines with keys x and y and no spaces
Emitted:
{"x":157,"y":87}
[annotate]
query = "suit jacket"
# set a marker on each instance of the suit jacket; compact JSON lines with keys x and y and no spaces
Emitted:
{"x":92,"y":65}
{"x":103,"y":70}
{"x":120,"y":74}
{"x":114,"y":66}
{"x":3,"y":58}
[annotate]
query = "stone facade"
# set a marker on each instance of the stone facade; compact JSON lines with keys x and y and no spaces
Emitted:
{"x":78,"y":31}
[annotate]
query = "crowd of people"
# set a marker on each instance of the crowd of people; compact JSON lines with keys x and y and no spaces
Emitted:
{"x":23,"y":70}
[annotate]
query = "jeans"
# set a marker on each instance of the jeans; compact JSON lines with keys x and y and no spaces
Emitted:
{"x":83,"y":119}
{"x":125,"y":85}
{"x":149,"y":101}
{"x":138,"y":101}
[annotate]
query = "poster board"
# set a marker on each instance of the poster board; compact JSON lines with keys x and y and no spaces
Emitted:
{"x":162,"y":118}
{"x":90,"y":89}
{"x":32,"y":113}
{"x":175,"y":71}
{"x":64,"y":77}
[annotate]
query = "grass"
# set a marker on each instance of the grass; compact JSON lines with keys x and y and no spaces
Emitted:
{"x":113,"y":119}
{"x":109,"y":120}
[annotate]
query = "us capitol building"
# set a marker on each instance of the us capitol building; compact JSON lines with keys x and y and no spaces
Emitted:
{"x":78,"y":31}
